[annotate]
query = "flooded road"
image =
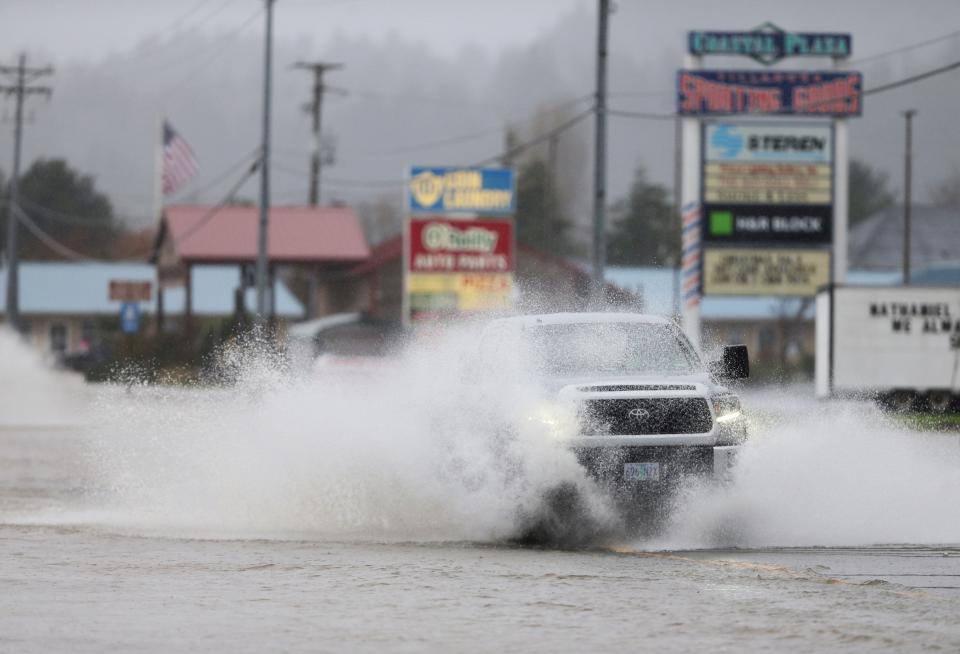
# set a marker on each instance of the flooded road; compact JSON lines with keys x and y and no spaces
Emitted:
{"x":112,"y":541}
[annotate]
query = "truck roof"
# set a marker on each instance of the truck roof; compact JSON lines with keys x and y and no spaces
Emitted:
{"x":581,"y":318}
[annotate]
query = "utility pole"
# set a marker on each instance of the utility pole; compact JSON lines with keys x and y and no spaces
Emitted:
{"x":22,"y":76}
{"x":600,"y":155}
{"x":262,"y":259}
{"x":907,"y":192}
{"x":678,"y":212}
{"x":550,"y":185}
{"x":315,"y":107}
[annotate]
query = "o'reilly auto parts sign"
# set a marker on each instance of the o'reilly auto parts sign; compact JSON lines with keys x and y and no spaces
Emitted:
{"x":768,"y":183}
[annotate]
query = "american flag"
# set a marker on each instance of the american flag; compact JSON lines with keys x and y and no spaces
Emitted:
{"x":179,"y":164}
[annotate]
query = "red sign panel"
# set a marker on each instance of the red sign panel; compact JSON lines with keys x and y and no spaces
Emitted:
{"x":130,"y":291}
{"x":770,"y":92}
{"x":443,"y":245}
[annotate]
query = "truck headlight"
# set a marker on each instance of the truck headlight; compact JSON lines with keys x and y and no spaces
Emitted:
{"x":557,"y":420}
{"x":727,"y":408}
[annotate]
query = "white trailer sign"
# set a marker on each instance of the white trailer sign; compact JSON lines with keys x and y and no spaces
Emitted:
{"x":875,"y":340}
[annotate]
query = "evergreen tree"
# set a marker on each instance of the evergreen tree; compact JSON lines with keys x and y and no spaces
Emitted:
{"x":869,"y":192}
{"x":645,"y":230}
{"x":67,"y":206}
{"x":946,"y":193}
{"x":540,"y":221}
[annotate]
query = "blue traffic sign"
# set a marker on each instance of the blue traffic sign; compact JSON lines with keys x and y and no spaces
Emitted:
{"x":130,"y":317}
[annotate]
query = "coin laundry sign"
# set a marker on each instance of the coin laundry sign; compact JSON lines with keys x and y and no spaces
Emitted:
{"x":482,"y":191}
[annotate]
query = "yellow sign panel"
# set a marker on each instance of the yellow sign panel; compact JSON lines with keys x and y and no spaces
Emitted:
{"x":766,"y":196}
{"x":768,"y":169}
{"x":765,"y":272}
{"x":767,"y":183}
{"x":460,"y":291}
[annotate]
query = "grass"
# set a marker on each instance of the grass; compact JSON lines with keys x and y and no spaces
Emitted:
{"x":924,"y":421}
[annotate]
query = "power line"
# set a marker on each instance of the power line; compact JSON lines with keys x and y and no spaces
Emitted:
{"x":905,"y":48}
{"x":523,"y":147}
{"x":151,"y":52}
{"x":20,"y":89}
{"x":183,"y":17}
{"x":48,"y":240}
{"x":64,"y":218}
{"x":339,"y":181}
{"x":416,"y":98}
{"x":245,"y":160}
{"x":463,"y":138}
{"x":912,"y":79}
{"x":426,"y":145}
{"x":871,"y":91}
{"x":640,"y":114}
{"x":197,"y":67}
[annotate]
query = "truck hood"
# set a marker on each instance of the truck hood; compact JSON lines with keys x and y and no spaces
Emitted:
{"x":556,"y":384}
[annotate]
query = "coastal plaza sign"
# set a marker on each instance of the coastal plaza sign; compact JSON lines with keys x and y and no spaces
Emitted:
{"x":769,"y":44}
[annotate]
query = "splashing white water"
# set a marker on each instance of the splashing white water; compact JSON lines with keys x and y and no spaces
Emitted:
{"x":405,"y":450}
{"x":828,"y":474}
{"x":33,"y":392}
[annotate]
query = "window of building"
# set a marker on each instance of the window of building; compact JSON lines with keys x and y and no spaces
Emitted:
{"x":767,"y":338}
{"x":88,"y":331}
{"x":58,"y":338}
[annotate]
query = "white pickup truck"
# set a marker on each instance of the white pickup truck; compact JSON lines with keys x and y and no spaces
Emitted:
{"x":629,"y":395}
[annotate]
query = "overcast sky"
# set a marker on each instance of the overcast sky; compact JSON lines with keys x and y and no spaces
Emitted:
{"x":423,"y":71}
{"x":92,"y":28}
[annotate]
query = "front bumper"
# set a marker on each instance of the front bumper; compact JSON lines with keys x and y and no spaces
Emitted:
{"x":674,"y":464}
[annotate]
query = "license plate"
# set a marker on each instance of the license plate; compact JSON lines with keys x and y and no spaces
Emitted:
{"x":641,"y":471}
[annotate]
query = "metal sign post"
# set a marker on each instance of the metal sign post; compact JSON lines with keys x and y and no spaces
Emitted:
{"x":690,"y":241}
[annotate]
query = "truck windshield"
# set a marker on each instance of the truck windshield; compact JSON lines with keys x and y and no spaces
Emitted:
{"x":612,"y":348}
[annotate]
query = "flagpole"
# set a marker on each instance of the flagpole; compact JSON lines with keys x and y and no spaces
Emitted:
{"x":262,"y":248}
{"x":158,"y":208}
{"x":158,"y":168}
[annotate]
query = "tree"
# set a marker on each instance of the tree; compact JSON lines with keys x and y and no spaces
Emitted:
{"x":644,"y":230}
{"x":540,"y":220}
{"x":67,"y":206}
{"x":946,"y":193}
{"x":869,"y":192}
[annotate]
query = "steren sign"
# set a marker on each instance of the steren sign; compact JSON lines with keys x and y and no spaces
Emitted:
{"x":769,"y":44}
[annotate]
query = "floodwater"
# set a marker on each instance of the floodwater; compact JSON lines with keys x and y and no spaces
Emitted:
{"x":369,"y":516}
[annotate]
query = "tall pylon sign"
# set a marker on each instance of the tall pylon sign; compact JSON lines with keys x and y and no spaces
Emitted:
{"x":764,"y":166}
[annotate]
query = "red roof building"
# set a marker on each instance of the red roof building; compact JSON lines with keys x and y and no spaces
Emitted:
{"x":296,"y":235}
{"x":313,"y":241}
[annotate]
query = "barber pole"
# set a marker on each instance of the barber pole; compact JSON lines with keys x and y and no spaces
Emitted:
{"x":691,"y":256}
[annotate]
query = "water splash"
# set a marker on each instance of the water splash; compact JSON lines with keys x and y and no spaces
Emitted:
{"x":34,"y":393}
{"x":403,"y":450}
{"x":831,"y":474}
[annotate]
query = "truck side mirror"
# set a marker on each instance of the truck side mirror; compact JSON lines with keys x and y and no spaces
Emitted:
{"x":733,"y":363}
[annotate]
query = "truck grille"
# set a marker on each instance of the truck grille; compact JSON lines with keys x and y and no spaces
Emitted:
{"x":609,"y":388}
{"x":662,"y":415}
